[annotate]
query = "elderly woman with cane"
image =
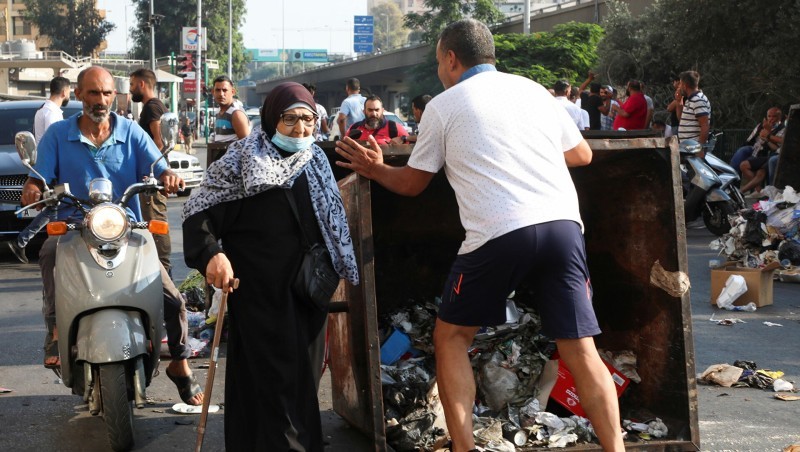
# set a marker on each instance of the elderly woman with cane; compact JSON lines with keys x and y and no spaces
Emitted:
{"x":273,"y":203}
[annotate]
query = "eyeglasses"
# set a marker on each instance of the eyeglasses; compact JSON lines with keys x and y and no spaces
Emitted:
{"x":290,"y":120}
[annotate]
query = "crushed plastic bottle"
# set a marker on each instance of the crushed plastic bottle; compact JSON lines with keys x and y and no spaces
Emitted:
{"x":749,"y":307}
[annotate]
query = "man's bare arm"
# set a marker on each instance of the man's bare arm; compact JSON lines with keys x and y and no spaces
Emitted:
{"x":340,"y":120}
{"x":32,"y":191}
{"x":368,"y":162}
{"x":704,"y":128}
{"x":155,"y":129}
{"x":580,"y":155}
{"x":241,"y":125}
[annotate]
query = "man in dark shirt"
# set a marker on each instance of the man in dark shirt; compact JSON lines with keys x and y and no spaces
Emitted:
{"x":143,"y":84}
{"x":592,"y":105}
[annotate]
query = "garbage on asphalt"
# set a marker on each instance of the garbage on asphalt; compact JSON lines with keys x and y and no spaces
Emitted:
{"x":202,"y":319}
{"x":745,"y":373}
{"x":766,"y":232}
{"x":514,"y":370}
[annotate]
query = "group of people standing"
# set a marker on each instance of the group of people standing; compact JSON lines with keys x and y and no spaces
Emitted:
{"x":599,"y":109}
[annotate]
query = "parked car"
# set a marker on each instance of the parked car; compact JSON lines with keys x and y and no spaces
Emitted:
{"x":17,"y":116}
{"x":187,"y":167}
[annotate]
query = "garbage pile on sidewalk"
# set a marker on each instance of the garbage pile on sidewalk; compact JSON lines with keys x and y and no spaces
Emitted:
{"x":201,"y":324}
{"x":766,"y":232}
{"x":507,"y":362}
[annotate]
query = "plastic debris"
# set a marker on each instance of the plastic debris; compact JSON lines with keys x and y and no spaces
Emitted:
{"x":5,"y":390}
{"x":772,"y":324}
{"x":781,"y":385}
{"x":674,"y":283}
{"x":735,"y":286}
{"x":787,"y":397}
{"x":624,"y":361}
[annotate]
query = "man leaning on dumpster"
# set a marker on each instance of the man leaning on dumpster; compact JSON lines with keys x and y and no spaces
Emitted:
{"x":505,"y":145}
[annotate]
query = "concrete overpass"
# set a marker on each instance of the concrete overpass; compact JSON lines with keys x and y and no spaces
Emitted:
{"x":386,"y":74}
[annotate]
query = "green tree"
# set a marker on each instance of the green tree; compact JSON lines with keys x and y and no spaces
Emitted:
{"x":568,"y":52}
{"x":184,"y":14}
{"x":73,"y":26}
{"x":740,"y":49}
{"x":429,"y":25}
{"x":398,"y":33}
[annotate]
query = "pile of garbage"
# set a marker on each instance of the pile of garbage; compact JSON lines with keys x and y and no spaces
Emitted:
{"x":745,"y":373}
{"x":201,"y":322}
{"x":507,"y":361}
{"x":766,"y":232}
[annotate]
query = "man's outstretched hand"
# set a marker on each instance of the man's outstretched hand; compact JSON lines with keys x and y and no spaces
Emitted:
{"x":365,"y":161}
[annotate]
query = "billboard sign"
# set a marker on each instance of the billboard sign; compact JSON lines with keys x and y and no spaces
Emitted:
{"x":190,"y":39}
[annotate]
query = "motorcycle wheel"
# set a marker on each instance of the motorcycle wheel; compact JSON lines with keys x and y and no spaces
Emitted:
{"x":715,"y":217}
{"x":117,"y":409}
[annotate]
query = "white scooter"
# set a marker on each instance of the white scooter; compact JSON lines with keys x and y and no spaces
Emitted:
{"x":109,"y":299}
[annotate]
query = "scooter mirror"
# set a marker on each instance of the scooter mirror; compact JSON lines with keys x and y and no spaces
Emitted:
{"x":26,"y":147}
{"x":169,"y":130}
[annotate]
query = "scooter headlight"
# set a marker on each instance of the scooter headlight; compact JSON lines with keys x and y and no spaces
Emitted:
{"x":107,"y":222}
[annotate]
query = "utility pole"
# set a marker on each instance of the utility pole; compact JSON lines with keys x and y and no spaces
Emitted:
{"x":199,"y":80}
{"x":526,"y":18}
{"x":230,"y":39}
{"x":152,"y":38}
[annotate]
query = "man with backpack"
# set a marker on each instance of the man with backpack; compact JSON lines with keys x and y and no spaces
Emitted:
{"x":375,"y":124}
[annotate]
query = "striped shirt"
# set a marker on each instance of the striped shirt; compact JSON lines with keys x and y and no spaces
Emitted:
{"x":695,"y":106}
{"x":223,"y":126}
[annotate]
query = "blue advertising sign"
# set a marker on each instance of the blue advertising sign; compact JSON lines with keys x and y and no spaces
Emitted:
{"x":362,"y":48}
{"x":363,"y":20}
{"x":362,"y":39}
{"x":363,"y":29}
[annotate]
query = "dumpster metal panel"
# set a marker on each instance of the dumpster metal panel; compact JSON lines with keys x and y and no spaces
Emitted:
{"x":630,"y":198}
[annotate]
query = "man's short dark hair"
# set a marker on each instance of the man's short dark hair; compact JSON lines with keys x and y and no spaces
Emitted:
{"x":373,"y":98}
{"x":690,"y":78}
{"x":421,"y":101}
{"x":147,"y":75}
{"x":353,"y":84}
{"x":58,"y":85}
{"x":594,"y":88}
{"x":560,"y":87}
{"x":310,"y":87}
{"x":635,"y":84}
{"x":470,"y":40}
{"x":222,"y":78}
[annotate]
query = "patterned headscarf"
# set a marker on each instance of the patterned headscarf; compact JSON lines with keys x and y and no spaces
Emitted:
{"x":253,"y":165}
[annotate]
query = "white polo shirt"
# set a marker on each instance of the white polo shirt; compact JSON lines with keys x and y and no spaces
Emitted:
{"x":501,"y":139}
{"x":48,"y":114}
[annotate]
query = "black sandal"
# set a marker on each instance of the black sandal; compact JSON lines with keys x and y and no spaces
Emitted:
{"x":51,"y":351}
{"x":187,"y":387}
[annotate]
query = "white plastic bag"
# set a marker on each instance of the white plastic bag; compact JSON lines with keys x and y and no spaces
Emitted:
{"x":734,"y":288}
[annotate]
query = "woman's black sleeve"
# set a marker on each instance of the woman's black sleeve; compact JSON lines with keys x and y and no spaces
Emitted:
{"x":201,"y":233}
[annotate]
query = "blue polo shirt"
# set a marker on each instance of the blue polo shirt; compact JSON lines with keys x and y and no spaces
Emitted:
{"x":66,"y":156}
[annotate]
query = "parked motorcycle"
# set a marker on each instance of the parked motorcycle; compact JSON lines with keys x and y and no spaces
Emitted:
{"x":109,"y":298}
{"x":711,"y":188}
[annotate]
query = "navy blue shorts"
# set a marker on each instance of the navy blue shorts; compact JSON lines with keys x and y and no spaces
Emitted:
{"x":551,"y":257}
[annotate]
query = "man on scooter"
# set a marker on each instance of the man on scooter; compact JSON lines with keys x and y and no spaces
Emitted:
{"x":98,"y":143}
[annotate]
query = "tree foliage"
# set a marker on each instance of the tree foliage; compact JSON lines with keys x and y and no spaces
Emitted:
{"x":398,"y":33}
{"x":184,"y":14}
{"x":73,"y":26}
{"x":741,"y":49}
{"x":429,"y":25}
{"x":568,"y":52}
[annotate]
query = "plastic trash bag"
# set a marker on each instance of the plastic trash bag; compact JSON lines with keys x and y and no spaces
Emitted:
{"x":734,"y":288}
{"x":790,"y":250}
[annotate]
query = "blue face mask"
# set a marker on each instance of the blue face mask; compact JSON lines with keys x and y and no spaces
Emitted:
{"x":290,"y":144}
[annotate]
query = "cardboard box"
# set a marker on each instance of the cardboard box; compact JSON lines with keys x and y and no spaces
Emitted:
{"x":758,"y":280}
{"x":561,"y":385}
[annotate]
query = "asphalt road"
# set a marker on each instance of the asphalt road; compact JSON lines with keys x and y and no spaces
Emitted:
{"x":40,"y":413}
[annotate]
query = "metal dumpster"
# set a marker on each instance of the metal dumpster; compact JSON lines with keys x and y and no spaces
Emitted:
{"x":632,"y":210}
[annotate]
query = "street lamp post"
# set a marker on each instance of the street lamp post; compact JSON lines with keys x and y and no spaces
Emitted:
{"x":230,"y":39}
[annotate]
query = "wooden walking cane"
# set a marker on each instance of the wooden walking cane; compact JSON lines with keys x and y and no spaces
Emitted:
{"x":212,"y":368}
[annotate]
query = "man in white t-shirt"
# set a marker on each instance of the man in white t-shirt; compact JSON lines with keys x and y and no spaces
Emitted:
{"x":562,"y":89}
{"x":505,"y":152}
{"x":51,"y":110}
